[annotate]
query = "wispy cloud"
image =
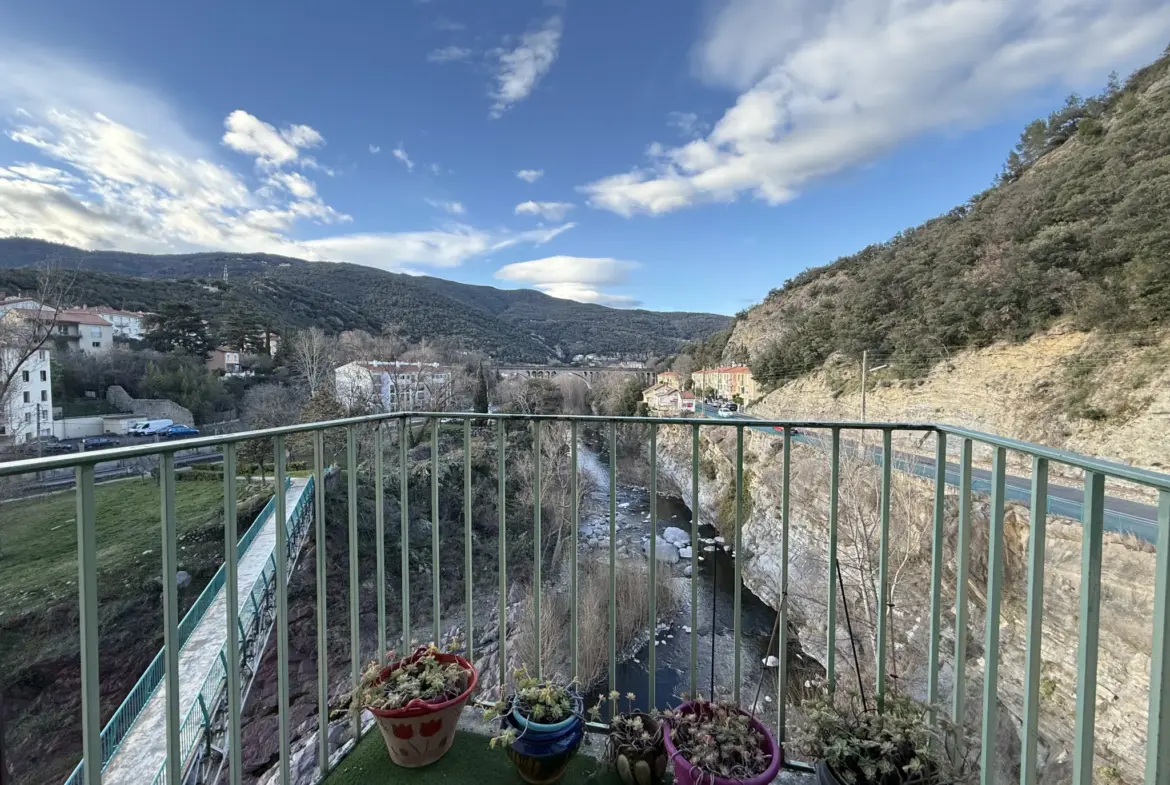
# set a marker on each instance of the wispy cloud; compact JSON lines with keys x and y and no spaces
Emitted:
{"x":118,"y":171}
{"x":374,"y":149}
{"x":573,"y":278}
{"x":455,"y":208}
{"x":521,"y":68}
{"x":530,"y":175}
{"x":553,"y":211}
{"x":449,"y":54}
{"x":399,"y":152}
{"x":829,"y":84}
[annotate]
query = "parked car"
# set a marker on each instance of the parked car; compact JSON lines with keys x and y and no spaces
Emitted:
{"x":98,"y":442}
{"x":725,"y":412}
{"x":178,"y":431}
{"x":150,"y":427}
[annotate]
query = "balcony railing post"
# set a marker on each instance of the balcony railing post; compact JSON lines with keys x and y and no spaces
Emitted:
{"x":695,"y":556}
{"x":380,"y":535}
{"x":171,"y":642}
{"x":883,"y":609}
{"x":281,"y":580}
{"x":536,"y":546}
{"x":831,"y":601}
{"x":995,"y":554}
{"x":613,"y":458}
{"x":652,"y":659}
{"x":87,"y":604}
{"x":1092,"y":533}
{"x":737,"y":559}
{"x":322,"y":605}
{"x":1032,"y":662}
{"x":782,"y":623}
{"x":936,"y":570}
{"x":231,"y":596}
{"x":962,"y":557}
{"x":436,"y":581}
{"x":404,"y":525}
{"x":573,"y":491}
{"x":355,"y":632}
{"x":501,"y":504}
{"x":1158,"y":730}
{"x":467,"y":556}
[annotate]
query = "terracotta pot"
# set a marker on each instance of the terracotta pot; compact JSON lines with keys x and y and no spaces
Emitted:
{"x":420,"y":733}
{"x":686,"y":773}
{"x":638,"y":765}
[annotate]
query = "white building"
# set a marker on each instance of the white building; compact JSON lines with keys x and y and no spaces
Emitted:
{"x":394,"y":386}
{"x":126,"y":324}
{"x":28,"y":404}
{"x":72,"y":330}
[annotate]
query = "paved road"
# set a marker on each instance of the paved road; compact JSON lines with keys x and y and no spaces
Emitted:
{"x":1121,"y":515}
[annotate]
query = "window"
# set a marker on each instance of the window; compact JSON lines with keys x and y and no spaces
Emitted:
{"x":95,"y":332}
{"x":27,"y":396}
{"x":24,"y":375}
{"x":41,"y":356}
{"x":63,"y":329}
{"x":28,"y":417}
{"x":44,"y":376}
{"x":44,"y":395}
{"x":97,"y":344}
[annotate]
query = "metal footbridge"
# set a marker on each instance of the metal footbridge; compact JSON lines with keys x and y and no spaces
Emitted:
{"x":134,"y":741}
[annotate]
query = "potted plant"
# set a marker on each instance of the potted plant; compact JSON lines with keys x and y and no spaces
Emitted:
{"x":854,"y":745}
{"x":634,"y":746}
{"x":417,"y":701}
{"x":719,"y":744}
{"x":541,"y":726}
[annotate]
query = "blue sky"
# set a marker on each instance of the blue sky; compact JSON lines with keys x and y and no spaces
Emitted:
{"x":685,"y":156}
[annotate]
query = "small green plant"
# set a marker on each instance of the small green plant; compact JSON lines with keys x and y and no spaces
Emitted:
{"x":719,"y":739}
{"x":426,"y":678}
{"x":546,"y":703}
{"x":634,"y":746}
{"x":896,"y":745}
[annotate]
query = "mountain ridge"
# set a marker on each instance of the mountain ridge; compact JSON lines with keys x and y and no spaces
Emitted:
{"x":285,"y":292}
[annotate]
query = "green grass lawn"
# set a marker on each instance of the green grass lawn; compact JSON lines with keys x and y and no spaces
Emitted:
{"x":468,"y":761}
{"x":38,"y":539}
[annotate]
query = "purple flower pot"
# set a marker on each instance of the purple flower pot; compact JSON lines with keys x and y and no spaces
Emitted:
{"x":686,"y":773}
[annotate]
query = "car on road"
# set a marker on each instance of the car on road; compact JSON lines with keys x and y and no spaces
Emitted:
{"x":726,"y":413}
{"x":178,"y":431}
{"x":98,"y":442}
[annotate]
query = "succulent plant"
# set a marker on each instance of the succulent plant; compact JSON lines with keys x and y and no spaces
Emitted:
{"x":545,"y":703}
{"x":425,"y":678}
{"x":719,"y":738}
{"x":634,"y":746}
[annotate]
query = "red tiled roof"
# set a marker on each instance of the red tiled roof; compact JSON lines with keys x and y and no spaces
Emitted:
{"x":81,"y":317}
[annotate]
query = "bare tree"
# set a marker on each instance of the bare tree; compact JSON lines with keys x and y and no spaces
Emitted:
{"x":267,"y":406}
{"x":24,"y":331}
{"x":313,"y":355}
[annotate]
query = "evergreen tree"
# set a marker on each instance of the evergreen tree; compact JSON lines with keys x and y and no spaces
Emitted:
{"x":178,"y":328}
{"x":480,"y":398}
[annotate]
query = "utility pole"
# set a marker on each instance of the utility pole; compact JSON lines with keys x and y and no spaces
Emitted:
{"x":864,"y":374}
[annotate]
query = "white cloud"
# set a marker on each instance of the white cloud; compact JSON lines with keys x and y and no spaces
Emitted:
{"x":136,"y":181}
{"x":436,"y":169}
{"x":455,"y":208}
{"x":553,"y":211}
{"x":686,"y":123}
{"x":520,"y":69}
{"x":829,"y":84}
{"x":249,"y":135}
{"x":399,"y":152}
{"x":573,"y":278}
{"x":530,"y":175}
{"x":374,"y":149}
{"x":449,"y":54}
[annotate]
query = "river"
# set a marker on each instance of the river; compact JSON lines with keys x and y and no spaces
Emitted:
{"x":715,"y":579}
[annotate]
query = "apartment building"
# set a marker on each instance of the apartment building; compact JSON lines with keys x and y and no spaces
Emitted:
{"x":26,"y":410}
{"x":726,"y":382}
{"x":394,"y":386}
{"x":126,"y":324}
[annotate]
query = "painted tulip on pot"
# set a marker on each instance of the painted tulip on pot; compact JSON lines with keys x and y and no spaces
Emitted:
{"x":719,"y":744}
{"x":417,"y":701}
{"x":856,"y":745}
{"x":541,"y":726}
{"x":634,"y":747}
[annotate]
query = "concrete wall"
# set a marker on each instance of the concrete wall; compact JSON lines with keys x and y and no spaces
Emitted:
{"x":149,"y":408}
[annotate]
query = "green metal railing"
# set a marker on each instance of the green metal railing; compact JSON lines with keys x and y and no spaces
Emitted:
{"x":1157,"y":767}
{"x":140,"y":694}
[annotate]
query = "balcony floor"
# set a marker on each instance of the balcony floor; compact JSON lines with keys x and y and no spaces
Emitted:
{"x":469,"y":760}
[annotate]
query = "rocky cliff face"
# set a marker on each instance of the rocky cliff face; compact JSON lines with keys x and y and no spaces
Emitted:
{"x":1126,"y":592}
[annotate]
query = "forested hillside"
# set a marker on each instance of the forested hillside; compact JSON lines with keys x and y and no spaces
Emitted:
{"x":282,"y":293}
{"x":1077,"y":226}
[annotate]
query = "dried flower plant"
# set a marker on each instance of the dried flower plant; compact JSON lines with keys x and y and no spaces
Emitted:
{"x":719,"y":739}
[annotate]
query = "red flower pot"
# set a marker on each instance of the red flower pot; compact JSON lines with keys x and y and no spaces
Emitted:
{"x":420,"y":733}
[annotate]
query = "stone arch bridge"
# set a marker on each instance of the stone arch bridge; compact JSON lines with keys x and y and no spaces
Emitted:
{"x":590,"y":373}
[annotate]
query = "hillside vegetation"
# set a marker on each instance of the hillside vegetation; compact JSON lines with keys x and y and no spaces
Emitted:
{"x":282,"y":293}
{"x":1076,"y":228}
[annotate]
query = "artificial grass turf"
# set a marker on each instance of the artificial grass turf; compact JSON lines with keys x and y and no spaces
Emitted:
{"x":468,"y":761}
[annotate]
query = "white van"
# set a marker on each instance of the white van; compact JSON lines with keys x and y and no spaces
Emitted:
{"x":149,"y":427}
